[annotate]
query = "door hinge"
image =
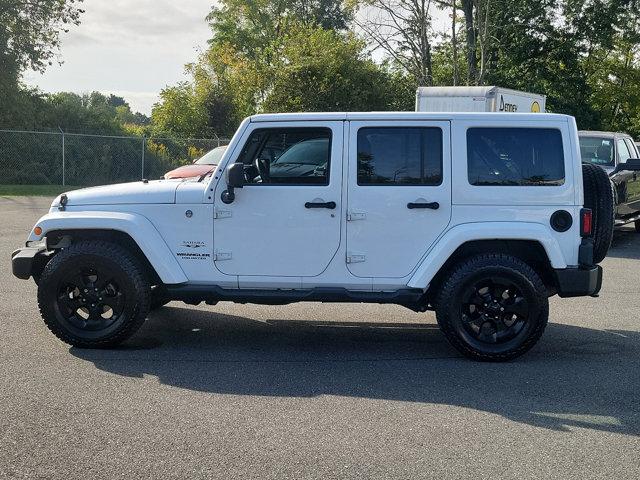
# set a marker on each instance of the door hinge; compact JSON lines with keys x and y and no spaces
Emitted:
{"x":352,"y":216}
{"x":355,"y":258}
{"x":221,"y":213}
{"x":218,"y":256}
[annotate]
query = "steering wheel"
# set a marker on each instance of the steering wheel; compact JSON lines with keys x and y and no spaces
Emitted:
{"x":262,"y":164}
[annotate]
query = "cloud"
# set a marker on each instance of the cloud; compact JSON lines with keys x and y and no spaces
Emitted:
{"x":133,"y":47}
{"x":124,"y":21}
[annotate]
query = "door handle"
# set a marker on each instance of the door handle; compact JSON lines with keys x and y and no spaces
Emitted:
{"x":329,"y":205}
{"x":431,"y":205}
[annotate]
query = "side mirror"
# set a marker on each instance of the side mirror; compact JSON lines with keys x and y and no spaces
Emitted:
{"x":631,"y":165}
{"x":234,"y":176}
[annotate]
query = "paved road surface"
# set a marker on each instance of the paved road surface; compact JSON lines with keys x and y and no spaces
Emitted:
{"x":318,"y":391}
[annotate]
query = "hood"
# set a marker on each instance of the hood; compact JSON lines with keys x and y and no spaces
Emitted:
{"x":188,"y":171}
{"x":293,"y":169}
{"x":157,"y":191}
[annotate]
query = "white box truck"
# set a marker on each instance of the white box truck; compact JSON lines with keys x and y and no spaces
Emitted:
{"x":477,"y":99}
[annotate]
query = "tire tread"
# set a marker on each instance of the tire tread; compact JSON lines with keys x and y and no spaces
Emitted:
{"x":598,"y":196}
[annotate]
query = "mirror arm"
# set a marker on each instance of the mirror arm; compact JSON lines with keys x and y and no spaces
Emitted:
{"x":228,"y":196}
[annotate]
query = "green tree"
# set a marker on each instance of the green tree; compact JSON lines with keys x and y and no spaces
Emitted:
{"x":29,"y":39}
{"x":177,"y":112}
{"x":251,"y":26}
{"x":323,"y":70}
{"x":30,"y":31}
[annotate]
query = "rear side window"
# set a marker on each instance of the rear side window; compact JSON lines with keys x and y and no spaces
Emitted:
{"x":623,"y":151}
{"x":633,"y":150}
{"x":515,"y":156}
{"x":400,"y":156}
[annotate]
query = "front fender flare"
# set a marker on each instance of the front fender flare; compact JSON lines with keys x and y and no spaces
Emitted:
{"x":138,"y":227}
{"x":467,"y":232}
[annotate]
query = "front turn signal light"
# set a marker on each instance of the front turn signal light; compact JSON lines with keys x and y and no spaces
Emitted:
{"x":37,"y":231}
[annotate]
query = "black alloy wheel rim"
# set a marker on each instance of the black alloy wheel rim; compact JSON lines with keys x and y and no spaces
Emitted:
{"x":90,"y":299}
{"x":494,"y":310}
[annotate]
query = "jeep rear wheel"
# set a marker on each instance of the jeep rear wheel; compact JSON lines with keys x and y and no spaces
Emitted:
{"x":492,"y":307}
{"x":93,"y":294}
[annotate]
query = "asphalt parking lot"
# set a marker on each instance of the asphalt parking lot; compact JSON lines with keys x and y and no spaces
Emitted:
{"x":318,"y":391}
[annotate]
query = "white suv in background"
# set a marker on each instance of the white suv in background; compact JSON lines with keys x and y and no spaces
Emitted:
{"x":480,"y":217}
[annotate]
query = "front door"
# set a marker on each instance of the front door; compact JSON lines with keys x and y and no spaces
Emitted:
{"x":399,"y":194}
{"x":626,"y":181}
{"x":633,"y":188}
{"x":285,"y":221}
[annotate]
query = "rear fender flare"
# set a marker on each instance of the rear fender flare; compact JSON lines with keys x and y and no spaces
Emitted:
{"x":431,"y":264}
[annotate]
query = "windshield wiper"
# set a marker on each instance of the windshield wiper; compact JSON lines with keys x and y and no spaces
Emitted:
{"x":202,"y":177}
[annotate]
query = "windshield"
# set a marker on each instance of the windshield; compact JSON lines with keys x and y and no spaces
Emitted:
{"x":211,"y":158}
{"x":307,"y":152}
{"x":597,"y":150}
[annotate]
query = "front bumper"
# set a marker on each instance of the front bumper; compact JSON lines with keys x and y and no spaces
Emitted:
{"x":579,"y":281}
{"x":28,"y":260}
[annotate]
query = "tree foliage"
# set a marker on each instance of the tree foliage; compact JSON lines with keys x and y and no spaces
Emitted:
{"x":275,"y":56}
{"x":30,"y":33}
{"x":290,"y":55}
{"x":323,"y":70}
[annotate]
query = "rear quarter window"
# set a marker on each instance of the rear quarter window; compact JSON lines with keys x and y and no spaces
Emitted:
{"x":515,"y":156}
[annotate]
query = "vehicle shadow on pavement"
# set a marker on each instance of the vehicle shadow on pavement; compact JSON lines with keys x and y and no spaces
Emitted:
{"x":575,"y":377}
{"x":625,"y":244}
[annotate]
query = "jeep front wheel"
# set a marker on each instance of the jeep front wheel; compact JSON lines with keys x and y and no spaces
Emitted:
{"x":492,"y":307}
{"x":93,"y":294}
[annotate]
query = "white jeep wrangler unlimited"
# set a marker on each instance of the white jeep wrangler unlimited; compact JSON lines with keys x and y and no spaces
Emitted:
{"x":480,"y":217}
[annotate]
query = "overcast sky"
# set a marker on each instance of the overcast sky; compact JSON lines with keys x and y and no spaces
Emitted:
{"x":132,"y":48}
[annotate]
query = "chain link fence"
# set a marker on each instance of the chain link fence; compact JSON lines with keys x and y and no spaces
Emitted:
{"x":60,"y":158}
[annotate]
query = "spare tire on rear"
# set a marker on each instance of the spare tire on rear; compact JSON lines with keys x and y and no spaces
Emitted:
{"x":598,"y":196}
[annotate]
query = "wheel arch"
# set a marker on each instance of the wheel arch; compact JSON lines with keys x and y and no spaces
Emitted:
{"x":63,"y":237}
{"x":529,"y":242}
{"x":132,"y":231}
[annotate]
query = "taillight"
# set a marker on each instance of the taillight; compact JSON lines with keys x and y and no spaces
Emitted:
{"x":586,"y":222}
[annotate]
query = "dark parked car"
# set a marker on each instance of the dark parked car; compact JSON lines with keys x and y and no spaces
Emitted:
{"x":618,"y":155}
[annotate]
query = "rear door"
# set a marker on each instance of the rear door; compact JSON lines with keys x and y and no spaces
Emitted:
{"x":398,"y":194}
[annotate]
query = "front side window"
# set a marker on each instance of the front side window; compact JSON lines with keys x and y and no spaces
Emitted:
{"x":399,"y":156}
{"x":297,"y":156}
{"x":515,"y":156}
{"x":597,"y":150}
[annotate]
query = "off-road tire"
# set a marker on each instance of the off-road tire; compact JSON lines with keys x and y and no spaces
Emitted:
{"x":448,"y":305}
{"x":598,"y":196}
{"x":118,"y":261}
